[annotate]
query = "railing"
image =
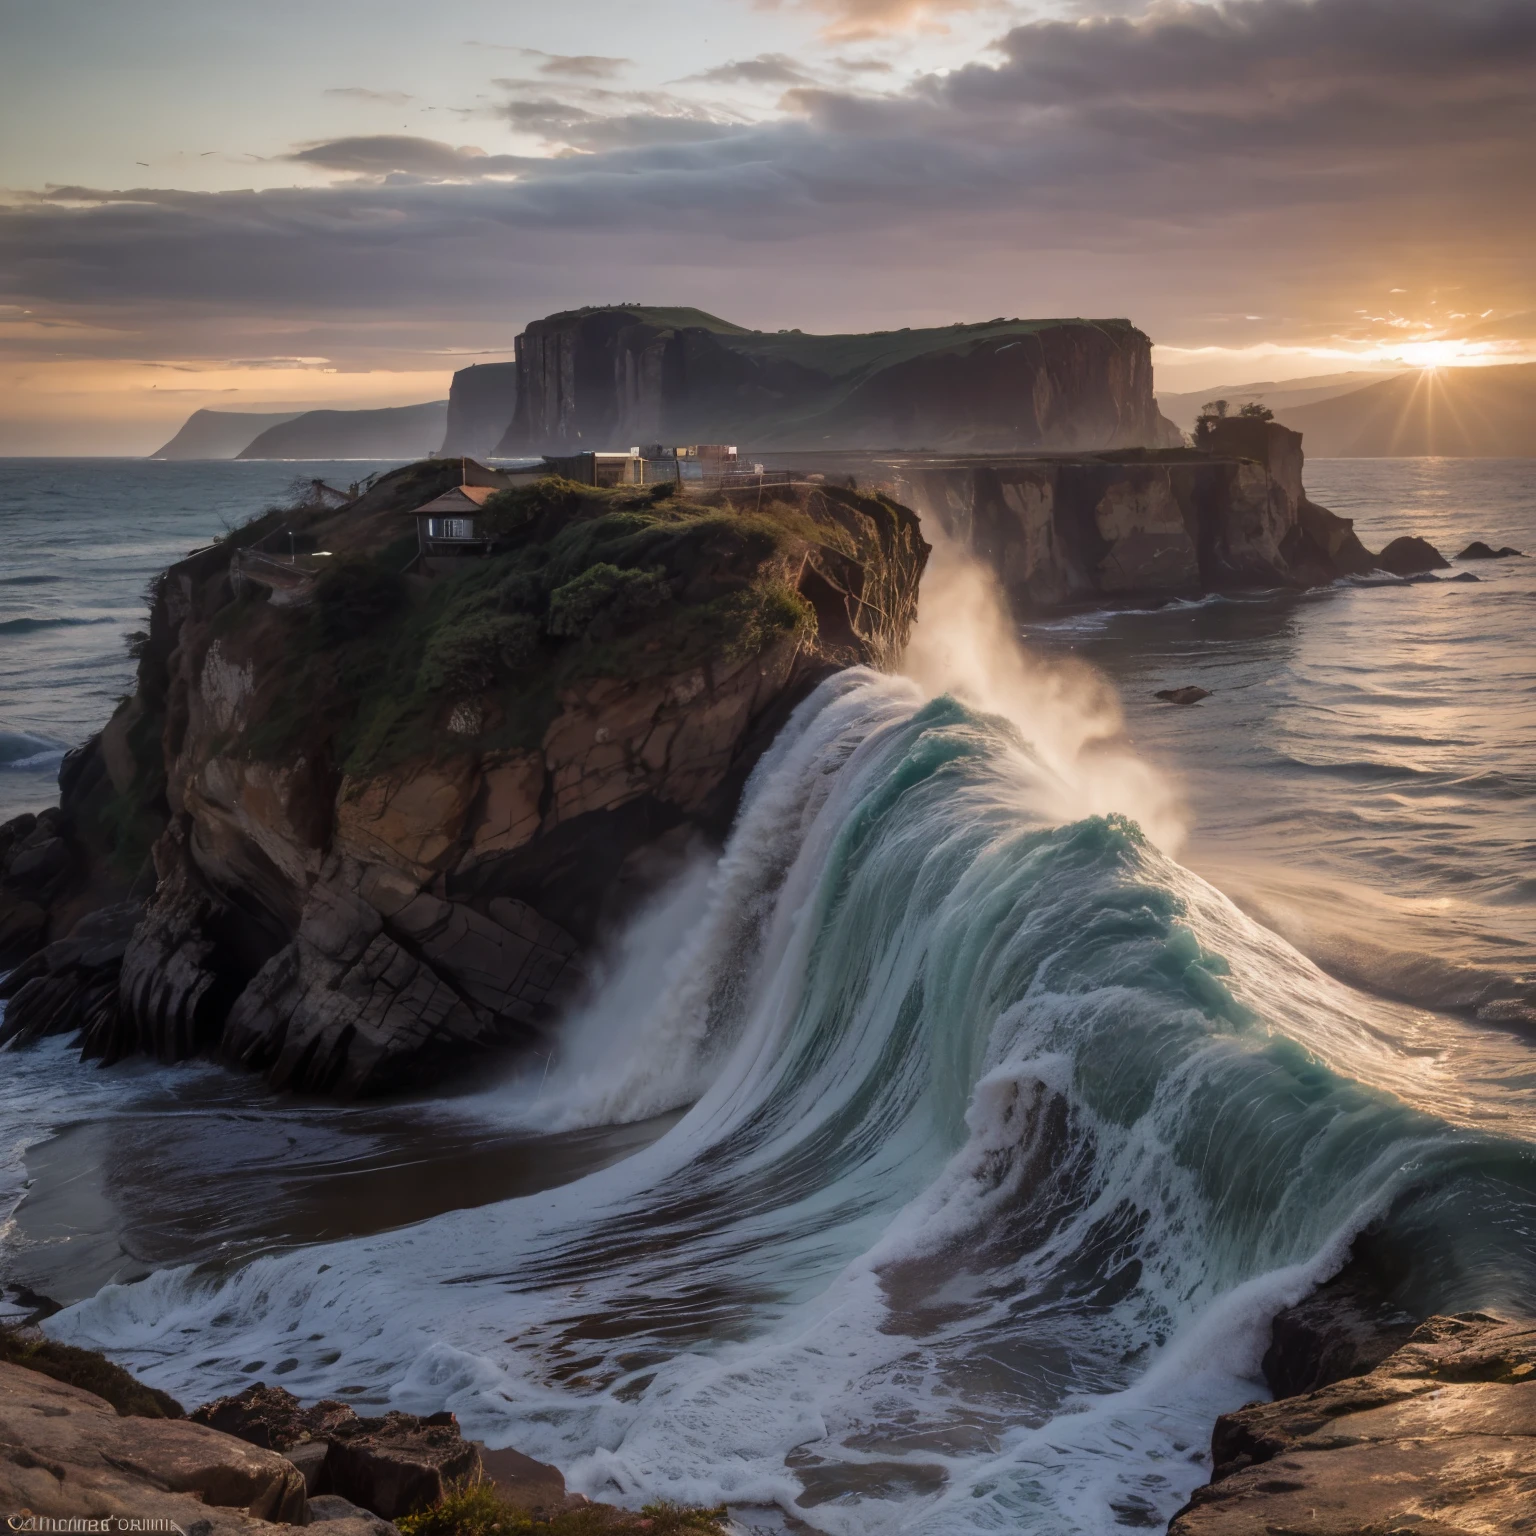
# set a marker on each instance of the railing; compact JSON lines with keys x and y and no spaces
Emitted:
{"x":290,"y":581}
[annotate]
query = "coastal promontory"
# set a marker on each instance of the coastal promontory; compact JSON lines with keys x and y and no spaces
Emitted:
{"x":368,"y":807}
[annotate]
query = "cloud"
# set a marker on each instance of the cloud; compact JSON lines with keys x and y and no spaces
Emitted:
{"x":854,"y":20}
{"x":372,"y":98}
{"x":399,"y":154}
{"x":592,"y":119}
{"x":578,"y":66}
{"x":1290,"y":157}
{"x":765,"y":69}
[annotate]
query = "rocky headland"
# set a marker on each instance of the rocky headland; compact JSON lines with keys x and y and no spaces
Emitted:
{"x":1161,"y":523}
{"x":364,"y":813}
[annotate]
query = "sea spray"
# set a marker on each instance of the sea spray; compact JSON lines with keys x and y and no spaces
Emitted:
{"x":1012,"y":1134}
{"x":966,"y":643}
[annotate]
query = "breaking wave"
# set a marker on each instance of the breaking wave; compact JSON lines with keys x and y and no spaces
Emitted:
{"x":1007,"y":1136}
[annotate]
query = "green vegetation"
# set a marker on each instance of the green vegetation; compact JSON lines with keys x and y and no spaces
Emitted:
{"x":584,"y":582}
{"x":89,"y":1371}
{"x":479,"y":1510}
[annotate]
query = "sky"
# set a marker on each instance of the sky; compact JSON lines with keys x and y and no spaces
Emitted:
{"x":214,"y":203}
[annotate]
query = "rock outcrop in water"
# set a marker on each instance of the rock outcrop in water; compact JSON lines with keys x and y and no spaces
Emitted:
{"x":361,"y":838}
{"x":1161,"y":524}
{"x":612,"y":377}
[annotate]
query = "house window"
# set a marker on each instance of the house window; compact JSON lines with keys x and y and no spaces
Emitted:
{"x":451,"y":528}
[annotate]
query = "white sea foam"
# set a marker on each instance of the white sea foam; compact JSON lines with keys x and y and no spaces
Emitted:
{"x":993,"y":1175}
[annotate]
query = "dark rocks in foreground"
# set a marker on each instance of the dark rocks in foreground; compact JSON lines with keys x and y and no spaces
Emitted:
{"x":250,"y":1464}
{"x":393,"y":1465}
{"x":68,"y":1454}
{"x":1439,"y":1438}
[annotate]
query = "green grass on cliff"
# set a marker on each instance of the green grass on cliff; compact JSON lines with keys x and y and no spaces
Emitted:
{"x":585,"y":583}
{"x":479,"y":1510}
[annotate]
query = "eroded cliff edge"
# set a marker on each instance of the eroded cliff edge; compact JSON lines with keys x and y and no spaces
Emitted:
{"x":360,"y":819}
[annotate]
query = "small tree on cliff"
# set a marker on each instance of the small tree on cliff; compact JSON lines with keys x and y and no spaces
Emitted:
{"x":1255,"y":411}
{"x":1210,"y":413}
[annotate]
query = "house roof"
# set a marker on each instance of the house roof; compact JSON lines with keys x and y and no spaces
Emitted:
{"x":461,"y":499}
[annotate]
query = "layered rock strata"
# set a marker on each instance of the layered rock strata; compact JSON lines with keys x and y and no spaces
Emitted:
{"x":356,"y":844}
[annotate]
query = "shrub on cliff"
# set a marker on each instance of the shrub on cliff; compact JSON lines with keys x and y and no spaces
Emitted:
{"x":353,"y":598}
{"x":604,"y":600}
{"x":468,"y":657}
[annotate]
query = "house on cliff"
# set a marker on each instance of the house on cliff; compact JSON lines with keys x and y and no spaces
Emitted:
{"x":450,"y":524}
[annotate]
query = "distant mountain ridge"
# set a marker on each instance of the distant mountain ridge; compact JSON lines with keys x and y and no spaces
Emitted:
{"x":1474,"y":413}
{"x":219,"y":434}
{"x":394,"y":432}
{"x":1279,"y":395}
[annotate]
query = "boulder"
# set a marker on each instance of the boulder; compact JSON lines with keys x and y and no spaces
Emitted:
{"x":270,"y":1417}
{"x":66,"y":1453}
{"x":392,"y":1465}
{"x":1187,"y":695}
{"x":343,"y":1518}
{"x":400,"y":1464}
{"x":1410,"y":556}
{"x":1439,"y":1439}
{"x":1477,"y":550}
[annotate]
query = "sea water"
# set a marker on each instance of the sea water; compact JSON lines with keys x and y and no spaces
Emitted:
{"x":1025,"y":1049}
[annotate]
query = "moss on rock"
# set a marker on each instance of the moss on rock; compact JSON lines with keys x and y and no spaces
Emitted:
{"x":89,"y":1371}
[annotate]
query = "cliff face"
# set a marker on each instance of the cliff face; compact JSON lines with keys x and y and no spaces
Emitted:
{"x":481,"y":402}
{"x":606,"y":378}
{"x":1174,"y":523}
{"x":388,"y":816}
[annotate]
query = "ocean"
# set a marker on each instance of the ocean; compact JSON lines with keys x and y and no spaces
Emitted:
{"x":934,"y":1157}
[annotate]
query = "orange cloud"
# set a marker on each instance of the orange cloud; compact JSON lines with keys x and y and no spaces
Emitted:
{"x":852,"y":20}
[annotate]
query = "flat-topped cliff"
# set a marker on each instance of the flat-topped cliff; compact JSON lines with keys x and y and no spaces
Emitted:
{"x":1090,"y":528}
{"x":611,"y":377}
